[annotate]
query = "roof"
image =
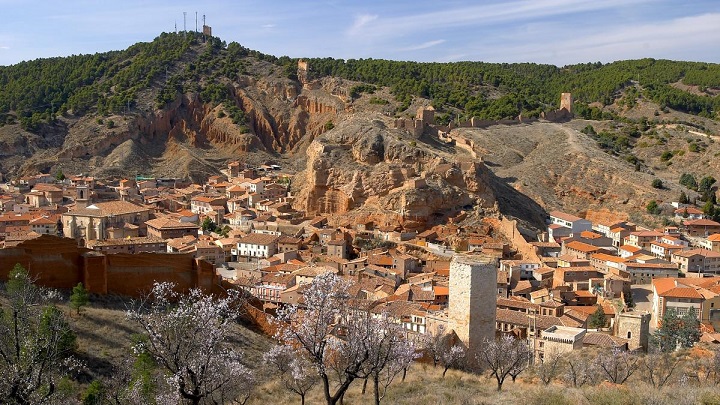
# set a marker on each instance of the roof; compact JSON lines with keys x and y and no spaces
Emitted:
{"x":714,"y":237}
{"x":701,"y":222}
{"x":143,"y":240}
{"x":168,"y":223}
{"x":689,"y":210}
{"x":701,"y":252}
{"x":582,"y":247}
{"x":564,"y":216}
{"x":682,"y":292}
{"x":258,"y":239}
{"x":603,"y":340}
{"x":102,"y":209}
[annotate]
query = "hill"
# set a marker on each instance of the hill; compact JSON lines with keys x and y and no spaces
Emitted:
{"x":181,"y":107}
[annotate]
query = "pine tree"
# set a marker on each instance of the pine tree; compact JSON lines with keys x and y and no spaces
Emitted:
{"x":598,"y":319}
{"x":79,"y":297}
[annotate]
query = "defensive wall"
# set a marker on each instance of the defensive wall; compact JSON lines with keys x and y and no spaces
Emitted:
{"x":57,"y":262}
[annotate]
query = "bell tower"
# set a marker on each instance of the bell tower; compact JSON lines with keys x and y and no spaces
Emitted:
{"x":82,"y":194}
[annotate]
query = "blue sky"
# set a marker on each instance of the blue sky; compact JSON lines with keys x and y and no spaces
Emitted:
{"x":558,"y":32}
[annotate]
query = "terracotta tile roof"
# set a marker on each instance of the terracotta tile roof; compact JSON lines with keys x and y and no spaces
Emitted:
{"x":618,"y":229}
{"x":564,"y":216}
{"x":258,"y":239}
{"x":630,"y":248}
{"x":690,"y":210}
{"x":608,"y":258}
{"x":700,"y":222}
{"x":590,"y":235}
{"x":603,"y":340}
{"x":582,"y":247}
{"x":168,"y":223}
{"x":516,"y":304}
{"x":102,"y":209}
{"x":682,"y":292}
{"x":714,"y":237}
{"x":701,"y":252}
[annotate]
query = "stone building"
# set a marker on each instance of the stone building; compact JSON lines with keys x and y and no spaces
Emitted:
{"x":96,"y":221}
{"x":471,"y":310}
{"x":635,"y":327}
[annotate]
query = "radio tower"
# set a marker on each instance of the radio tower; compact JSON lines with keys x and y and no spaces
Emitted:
{"x":185,"y":22}
{"x":196,"y":31}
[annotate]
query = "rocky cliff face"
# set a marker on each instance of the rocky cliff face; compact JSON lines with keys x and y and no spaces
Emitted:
{"x":361,"y":164}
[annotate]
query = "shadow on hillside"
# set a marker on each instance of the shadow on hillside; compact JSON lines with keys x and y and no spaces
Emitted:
{"x":516,"y":204}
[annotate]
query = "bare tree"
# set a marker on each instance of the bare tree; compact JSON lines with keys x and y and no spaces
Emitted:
{"x":344,"y":341}
{"x":36,"y":343}
{"x":617,"y":365}
{"x":186,"y":334}
{"x":579,"y":370}
{"x":297,"y":373}
{"x":658,"y":368}
{"x":504,"y":356}
{"x":550,"y":367}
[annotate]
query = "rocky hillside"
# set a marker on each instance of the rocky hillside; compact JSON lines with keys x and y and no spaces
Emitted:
{"x":182,"y":107}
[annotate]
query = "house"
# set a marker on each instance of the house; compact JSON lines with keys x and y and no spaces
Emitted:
{"x":701,"y":227}
{"x":45,"y":225}
{"x":257,"y":245}
{"x":202,"y":205}
{"x":681,"y":294}
{"x":688,"y":213}
{"x":167,"y":228}
{"x":712,"y":242}
{"x":664,"y":250}
{"x":338,"y":249}
{"x":519,"y":269}
{"x":643,"y":239}
{"x":644,"y":272}
{"x":287,"y":244}
{"x":580,"y":250}
{"x":697,"y":262}
{"x":575,"y":224}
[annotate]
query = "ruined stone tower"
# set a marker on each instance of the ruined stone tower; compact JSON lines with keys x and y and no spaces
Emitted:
{"x":471,"y":310}
{"x":566,"y":102}
{"x":634,"y":326}
{"x":302,"y":71}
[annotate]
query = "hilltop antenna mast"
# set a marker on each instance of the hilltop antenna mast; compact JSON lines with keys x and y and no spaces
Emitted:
{"x":185,"y":23}
{"x":196,"y":31}
{"x":204,"y":28}
{"x":176,"y":26}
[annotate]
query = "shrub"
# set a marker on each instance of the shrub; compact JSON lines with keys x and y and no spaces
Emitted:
{"x":667,"y":155}
{"x":657,"y":183}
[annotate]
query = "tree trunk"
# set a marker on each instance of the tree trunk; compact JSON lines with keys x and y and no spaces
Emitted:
{"x":499,"y":383}
{"x":404,"y":374}
{"x":445,"y":371}
{"x":376,"y":386}
{"x":302,"y":399}
{"x":364,"y":386}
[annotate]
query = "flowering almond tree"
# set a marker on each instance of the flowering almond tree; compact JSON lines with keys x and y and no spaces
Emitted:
{"x":344,"y":341}
{"x":186,"y":334}
{"x":297,"y":373}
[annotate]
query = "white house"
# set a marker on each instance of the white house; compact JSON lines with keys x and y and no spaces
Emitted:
{"x":257,"y":245}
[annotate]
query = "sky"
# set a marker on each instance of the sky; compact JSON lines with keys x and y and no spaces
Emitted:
{"x":558,"y":32}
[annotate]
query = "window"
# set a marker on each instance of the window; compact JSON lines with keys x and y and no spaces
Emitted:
{"x":629,"y":335}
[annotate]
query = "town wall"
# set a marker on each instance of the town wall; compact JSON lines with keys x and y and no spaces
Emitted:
{"x":526,"y":250}
{"x":471,"y":310}
{"x":57,"y":262}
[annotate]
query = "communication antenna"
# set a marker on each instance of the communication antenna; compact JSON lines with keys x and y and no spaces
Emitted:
{"x":196,"y":31}
{"x":203,"y":27}
{"x":176,"y":26}
{"x":185,"y":22}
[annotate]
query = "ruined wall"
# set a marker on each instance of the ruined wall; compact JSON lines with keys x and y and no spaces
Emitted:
{"x":509,"y":229}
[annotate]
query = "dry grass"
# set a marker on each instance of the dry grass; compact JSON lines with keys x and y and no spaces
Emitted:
{"x":425,"y":386}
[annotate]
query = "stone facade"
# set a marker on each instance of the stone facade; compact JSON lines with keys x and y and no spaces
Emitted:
{"x":635,"y":327}
{"x":471,"y":310}
{"x":566,"y":102}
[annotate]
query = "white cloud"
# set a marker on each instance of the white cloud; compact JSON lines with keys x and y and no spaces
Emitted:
{"x":268,"y":26}
{"x":424,"y":45}
{"x":361,"y":21}
{"x":4,"y":47}
{"x":680,"y":38}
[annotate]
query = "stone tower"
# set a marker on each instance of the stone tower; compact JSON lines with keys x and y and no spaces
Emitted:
{"x":82,"y":194}
{"x":471,"y":310}
{"x":302,"y":71}
{"x":634,"y":326}
{"x":566,"y":102}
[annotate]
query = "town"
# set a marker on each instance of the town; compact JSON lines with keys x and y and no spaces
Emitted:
{"x":241,"y":224}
